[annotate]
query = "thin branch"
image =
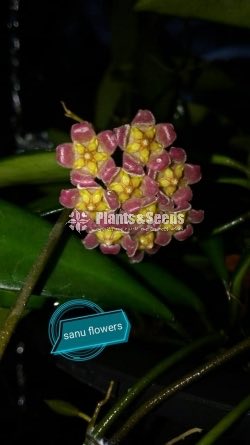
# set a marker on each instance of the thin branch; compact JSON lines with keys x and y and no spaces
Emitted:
{"x":183,"y":436}
{"x":70,"y":114}
{"x":37,"y":268}
{"x":99,"y":406}
{"x":231,"y":224}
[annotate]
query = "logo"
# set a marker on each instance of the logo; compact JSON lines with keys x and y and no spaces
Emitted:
{"x":83,"y":338}
{"x":78,"y":221}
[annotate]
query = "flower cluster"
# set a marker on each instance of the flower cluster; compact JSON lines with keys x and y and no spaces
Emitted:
{"x":154,"y":177}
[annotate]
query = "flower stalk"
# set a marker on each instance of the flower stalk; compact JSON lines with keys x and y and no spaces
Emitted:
{"x":31,"y":280}
{"x":181,"y":383}
{"x":101,"y":429}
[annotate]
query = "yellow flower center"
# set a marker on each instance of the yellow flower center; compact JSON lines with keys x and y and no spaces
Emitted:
{"x":170,"y":178}
{"x":92,"y":201}
{"x":89,"y":156}
{"x":142,"y":143}
{"x":126,"y":185}
{"x":109,"y":236}
{"x":146,"y":241}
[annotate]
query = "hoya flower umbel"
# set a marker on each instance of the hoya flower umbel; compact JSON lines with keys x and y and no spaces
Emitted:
{"x":143,"y":140}
{"x":88,"y":151}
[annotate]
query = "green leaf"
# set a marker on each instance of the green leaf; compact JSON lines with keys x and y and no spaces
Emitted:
{"x":77,"y":273}
{"x":37,"y":168}
{"x":229,"y":162}
{"x":239,"y":275}
{"x":170,"y":288}
{"x":230,"y":12}
{"x":108,"y":96}
{"x":214,"y":250}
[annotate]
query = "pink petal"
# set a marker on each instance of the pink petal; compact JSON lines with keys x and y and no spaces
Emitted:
{"x":182,"y":194}
{"x":138,"y":257}
{"x":148,"y":200}
{"x":183,"y":206}
{"x":82,"y":132}
{"x":163,"y":238}
{"x":144,"y":117}
{"x":65,"y":155}
{"x":178,"y":155}
{"x":121,"y":134}
{"x":149,"y":186}
{"x":165,"y":134}
{"x":112,"y":199}
{"x":110,"y":250}
{"x":153,"y":250}
{"x":90,"y":241}
{"x":108,"y":141}
{"x":132,"y":205}
{"x":164,"y":201}
{"x":68,"y":198}
{"x":152,"y":173}
{"x":159,"y":162}
{"x":78,"y":177}
{"x":129,"y":244}
{"x":195,"y":216}
{"x":108,"y":171}
{"x":192,"y":173}
{"x":184,"y":234}
{"x":131,"y":166}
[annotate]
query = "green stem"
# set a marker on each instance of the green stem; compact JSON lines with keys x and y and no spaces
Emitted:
{"x":225,"y":423}
{"x":181,"y":383}
{"x":229,"y":162}
{"x":36,"y":269}
{"x":231,"y":224}
{"x":137,"y":388}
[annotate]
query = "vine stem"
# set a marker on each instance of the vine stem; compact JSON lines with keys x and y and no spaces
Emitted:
{"x":35,"y":272}
{"x":225,"y":423}
{"x":152,"y":374}
{"x":181,"y":383}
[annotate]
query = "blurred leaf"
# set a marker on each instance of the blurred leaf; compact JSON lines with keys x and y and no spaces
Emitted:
{"x":3,"y":314}
{"x":212,"y":79}
{"x":235,"y":181}
{"x":197,"y":112}
{"x":109,"y":93}
{"x":57,"y":136}
{"x":66,"y":409}
{"x":240,"y":142}
{"x":229,"y":162}
{"x":224,"y":11}
{"x":214,"y":250}
{"x":7,"y":296}
{"x":170,"y":288}
{"x":37,"y":168}
{"x":239,"y":275}
{"x":77,"y":273}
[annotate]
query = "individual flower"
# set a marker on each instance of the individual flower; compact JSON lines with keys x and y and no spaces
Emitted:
{"x":143,"y":141}
{"x":107,"y":239}
{"x":126,"y":185}
{"x":174,"y":179}
{"x":89,"y":200}
{"x":88,"y":152}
